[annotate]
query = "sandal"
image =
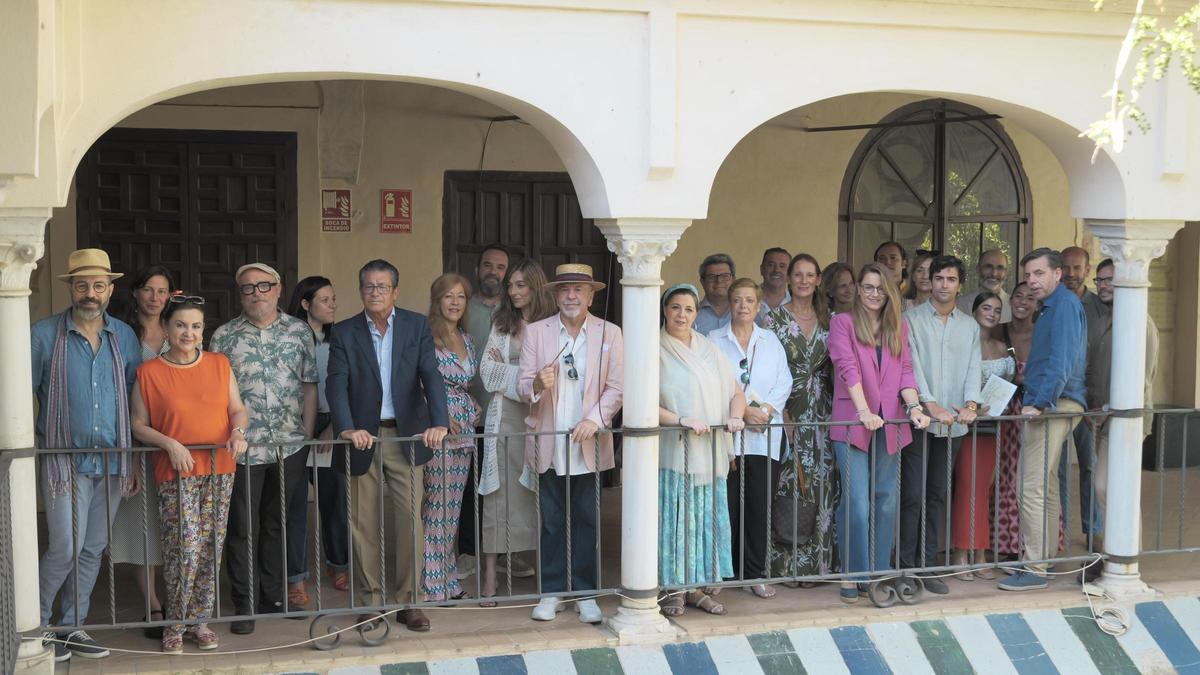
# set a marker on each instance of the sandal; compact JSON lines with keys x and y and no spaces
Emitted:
{"x":672,"y":605}
{"x":341,"y":578}
{"x":204,"y":637}
{"x":761,"y":590}
{"x":172,"y":642}
{"x":154,"y":632}
{"x":484,"y":602}
{"x":705,"y":602}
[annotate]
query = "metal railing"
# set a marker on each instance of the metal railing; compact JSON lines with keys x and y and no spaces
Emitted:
{"x":889,"y":583}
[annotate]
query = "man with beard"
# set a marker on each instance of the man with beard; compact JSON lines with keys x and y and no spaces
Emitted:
{"x":774,"y":270}
{"x":1098,"y":380}
{"x":1077,"y":267}
{"x":991,"y":272}
{"x":570,"y":373}
{"x":275,"y":362}
{"x":84,"y":366}
{"x":481,"y":307}
{"x":945,"y":360}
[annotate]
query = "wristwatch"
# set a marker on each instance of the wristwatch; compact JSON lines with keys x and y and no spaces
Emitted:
{"x":240,"y":431}
{"x":972,"y":406}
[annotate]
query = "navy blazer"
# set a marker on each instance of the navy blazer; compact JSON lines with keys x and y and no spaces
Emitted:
{"x":355,"y":392}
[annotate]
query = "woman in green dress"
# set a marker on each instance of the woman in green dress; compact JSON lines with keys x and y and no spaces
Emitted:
{"x":803,"y":327}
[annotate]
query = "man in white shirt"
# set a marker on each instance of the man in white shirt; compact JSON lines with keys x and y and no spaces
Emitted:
{"x":944,"y":342}
{"x":570,"y":372}
{"x":991,"y":272}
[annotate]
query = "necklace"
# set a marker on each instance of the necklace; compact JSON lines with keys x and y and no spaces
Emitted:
{"x":194,"y":359}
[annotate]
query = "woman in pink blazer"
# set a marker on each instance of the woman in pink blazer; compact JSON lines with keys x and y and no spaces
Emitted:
{"x":873,"y":381}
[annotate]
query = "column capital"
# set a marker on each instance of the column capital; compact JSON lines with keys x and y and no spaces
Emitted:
{"x":641,"y":245}
{"x":22,"y":244}
{"x":1133,"y":245}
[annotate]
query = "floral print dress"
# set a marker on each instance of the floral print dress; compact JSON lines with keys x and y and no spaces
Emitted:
{"x":446,"y":477}
{"x":811,"y":400}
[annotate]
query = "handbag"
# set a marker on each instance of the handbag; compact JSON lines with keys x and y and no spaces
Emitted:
{"x":794,"y":516}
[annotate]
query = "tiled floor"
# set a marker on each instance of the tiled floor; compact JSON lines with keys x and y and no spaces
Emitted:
{"x":461,"y":635}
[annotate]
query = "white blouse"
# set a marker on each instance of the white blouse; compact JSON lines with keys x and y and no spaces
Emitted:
{"x":770,"y":382}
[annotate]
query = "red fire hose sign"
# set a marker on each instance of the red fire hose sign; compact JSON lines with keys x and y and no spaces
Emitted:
{"x":395,"y":211}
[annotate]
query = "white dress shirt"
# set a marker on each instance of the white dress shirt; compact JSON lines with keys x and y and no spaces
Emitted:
{"x":770,"y":382}
{"x":568,"y":409}
{"x":383,"y":356}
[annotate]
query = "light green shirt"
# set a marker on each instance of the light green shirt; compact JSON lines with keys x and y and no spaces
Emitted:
{"x":945,"y":360}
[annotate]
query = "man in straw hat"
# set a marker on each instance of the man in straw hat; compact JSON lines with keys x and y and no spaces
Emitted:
{"x":570,"y":373}
{"x":84,"y":365}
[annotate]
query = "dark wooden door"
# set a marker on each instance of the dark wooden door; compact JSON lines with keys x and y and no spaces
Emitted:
{"x":534,"y":214}
{"x":200,"y":203}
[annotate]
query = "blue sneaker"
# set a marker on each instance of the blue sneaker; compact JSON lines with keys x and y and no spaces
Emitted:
{"x":1023,"y":581}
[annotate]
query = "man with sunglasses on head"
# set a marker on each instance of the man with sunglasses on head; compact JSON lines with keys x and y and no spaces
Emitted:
{"x":84,"y":366}
{"x":570,"y":372}
{"x":275,"y":363}
{"x":944,"y":341}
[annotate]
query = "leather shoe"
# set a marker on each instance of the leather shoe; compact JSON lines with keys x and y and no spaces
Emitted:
{"x":546,"y":609}
{"x":244,"y":627}
{"x":415,"y":619}
{"x":589,"y":611}
{"x":371,"y":619}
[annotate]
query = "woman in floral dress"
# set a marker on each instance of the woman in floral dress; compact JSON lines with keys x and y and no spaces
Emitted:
{"x":446,"y":474}
{"x":803,"y":327}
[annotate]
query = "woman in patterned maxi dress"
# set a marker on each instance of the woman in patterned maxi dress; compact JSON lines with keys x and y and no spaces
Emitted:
{"x":446,"y":474}
{"x":816,"y":488}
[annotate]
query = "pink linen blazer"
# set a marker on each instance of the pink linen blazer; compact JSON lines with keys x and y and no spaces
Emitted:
{"x":854,"y":363}
{"x":602,"y":388}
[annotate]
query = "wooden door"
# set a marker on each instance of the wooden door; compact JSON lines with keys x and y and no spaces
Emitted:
{"x":533,"y":214}
{"x":199,"y":203}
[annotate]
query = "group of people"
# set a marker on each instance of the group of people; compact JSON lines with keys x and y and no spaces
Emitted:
{"x":780,"y":454}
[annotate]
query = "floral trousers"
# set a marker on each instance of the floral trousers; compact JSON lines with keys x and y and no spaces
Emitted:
{"x":193,"y":513}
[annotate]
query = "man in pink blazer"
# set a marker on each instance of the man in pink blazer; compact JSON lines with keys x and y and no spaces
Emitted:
{"x":570,"y":373}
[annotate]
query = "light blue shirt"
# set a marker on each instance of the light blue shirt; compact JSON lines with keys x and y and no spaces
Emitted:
{"x":707,"y":319}
{"x":945,"y":360}
{"x":91,"y":389}
{"x":383,"y":356}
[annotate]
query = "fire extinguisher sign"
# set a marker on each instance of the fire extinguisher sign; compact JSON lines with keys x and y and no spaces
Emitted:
{"x":395,"y":211}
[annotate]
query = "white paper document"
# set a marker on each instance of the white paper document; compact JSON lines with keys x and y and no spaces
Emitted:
{"x":996,"y":394}
{"x":319,"y":459}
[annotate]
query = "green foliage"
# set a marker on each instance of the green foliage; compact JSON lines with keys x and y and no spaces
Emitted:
{"x":1155,"y":45}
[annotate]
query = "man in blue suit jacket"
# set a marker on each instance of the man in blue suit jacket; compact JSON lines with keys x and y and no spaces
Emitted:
{"x":383,"y":383}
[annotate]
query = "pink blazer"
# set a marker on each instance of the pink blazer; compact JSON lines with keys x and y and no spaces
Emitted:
{"x":854,"y":363}
{"x":602,"y":393}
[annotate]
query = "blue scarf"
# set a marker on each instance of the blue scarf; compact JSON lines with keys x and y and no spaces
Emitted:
{"x":58,"y":466}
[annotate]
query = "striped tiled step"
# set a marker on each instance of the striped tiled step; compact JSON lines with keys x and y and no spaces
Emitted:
{"x":1162,"y":637}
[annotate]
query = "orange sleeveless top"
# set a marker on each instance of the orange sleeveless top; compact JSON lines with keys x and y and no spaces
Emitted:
{"x":191,"y":405}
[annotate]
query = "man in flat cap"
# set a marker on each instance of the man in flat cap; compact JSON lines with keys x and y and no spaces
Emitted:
{"x":84,"y":366}
{"x":274,"y":359}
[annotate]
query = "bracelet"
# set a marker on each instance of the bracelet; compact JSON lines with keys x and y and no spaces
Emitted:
{"x":909,"y":407}
{"x":239,"y":430}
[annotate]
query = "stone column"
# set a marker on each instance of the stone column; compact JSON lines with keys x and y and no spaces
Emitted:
{"x":22,"y":243}
{"x":641,"y":246}
{"x":1132,"y":245}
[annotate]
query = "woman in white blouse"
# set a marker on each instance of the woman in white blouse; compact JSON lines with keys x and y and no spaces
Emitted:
{"x":510,"y":520}
{"x":761,"y":366}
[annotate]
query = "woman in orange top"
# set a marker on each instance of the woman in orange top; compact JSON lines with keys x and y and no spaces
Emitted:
{"x":190,"y":397}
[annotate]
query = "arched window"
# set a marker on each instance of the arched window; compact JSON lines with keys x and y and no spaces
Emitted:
{"x":937,"y":175}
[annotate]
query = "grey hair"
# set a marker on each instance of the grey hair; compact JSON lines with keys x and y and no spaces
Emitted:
{"x":379,"y":265}
{"x":718,"y":259}
{"x":1053,"y":257}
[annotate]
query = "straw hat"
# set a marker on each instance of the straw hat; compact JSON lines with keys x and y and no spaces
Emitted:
{"x":574,"y":273}
{"x":89,"y":262}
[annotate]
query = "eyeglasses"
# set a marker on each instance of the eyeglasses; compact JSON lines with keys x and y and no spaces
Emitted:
{"x":1104,"y":280}
{"x":372,"y":289}
{"x":723,"y":276}
{"x":261,"y":287}
{"x":867,"y":289}
{"x":180,"y":298}
{"x":572,"y":374}
{"x":97,"y":287}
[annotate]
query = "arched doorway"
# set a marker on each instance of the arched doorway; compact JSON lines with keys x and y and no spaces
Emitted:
{"x":937,"y":175}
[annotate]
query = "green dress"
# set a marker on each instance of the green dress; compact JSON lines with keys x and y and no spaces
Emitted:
{"x":811,"y":400}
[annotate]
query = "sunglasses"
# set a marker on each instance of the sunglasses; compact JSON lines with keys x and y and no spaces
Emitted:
{"x":180,"y":298}
{"x":744,"y":364}
{"x":572,"y":374}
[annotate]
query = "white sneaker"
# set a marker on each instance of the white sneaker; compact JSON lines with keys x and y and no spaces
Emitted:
{"x":465,"y":565}
{"x":589,"y":611}
{"x":546,"y":609}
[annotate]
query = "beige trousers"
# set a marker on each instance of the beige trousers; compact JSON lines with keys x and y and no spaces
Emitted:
{"x":404,"y":546}
{"x":1038,"y":494}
